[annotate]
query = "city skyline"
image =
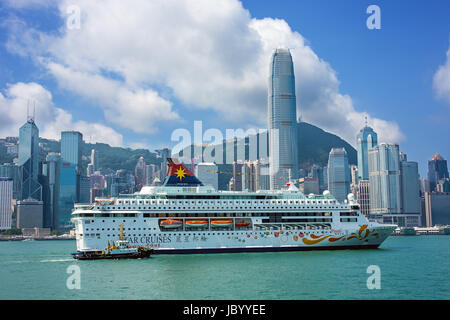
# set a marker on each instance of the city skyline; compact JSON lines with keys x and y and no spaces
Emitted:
{"x":65,"y":105}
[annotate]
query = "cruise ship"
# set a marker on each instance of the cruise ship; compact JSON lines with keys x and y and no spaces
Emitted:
{"x":184,"y":216}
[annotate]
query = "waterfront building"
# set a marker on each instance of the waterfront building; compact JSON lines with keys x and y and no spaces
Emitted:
{"x":208,"y":173}
{"x":28,"y":161}
{"x":366,"y":140}
{"x":437,"y":170}
{"x":6,"y":196}
{"x":71,"y":143}
{"x":410,"y":192}
{"x":384,"y":177}
{"x":50,"y":185}
{"x":29,"y":213}
{"x":139,"y":173}
{"x":282,"y":118}
{"x":437,"y":208}
{"x":338,"y":174}
{"x":10,"y":170}
{"x":68,"y":192}
{"x":362,"y":193}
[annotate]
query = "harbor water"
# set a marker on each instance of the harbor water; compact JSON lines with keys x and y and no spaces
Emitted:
{"x":410,"y":267}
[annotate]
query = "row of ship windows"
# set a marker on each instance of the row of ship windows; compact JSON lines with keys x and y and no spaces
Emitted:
{"x":113,"y":229}
{"x":215,"y":214}
{"x":207,"y":208}
{"x":225,"y":202}
{"x":187,"y":234}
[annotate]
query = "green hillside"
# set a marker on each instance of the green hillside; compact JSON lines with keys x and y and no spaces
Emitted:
{"x":315,"y":144}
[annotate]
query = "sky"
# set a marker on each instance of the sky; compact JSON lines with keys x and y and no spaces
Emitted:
{"x":129,"y":73}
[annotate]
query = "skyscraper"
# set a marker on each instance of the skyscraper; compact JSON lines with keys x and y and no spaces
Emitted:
{"x":282,"y":116}
{"x":69,"y":175}
{"x":71,"y":148}
{"x":384,"y":177}
{"x":437,"y":170}
{"x":29,"y":187}
{"x":50,"y":195}
{"x":6,"y":196}
{"x":366,"y":140}
{"x":9,"y":170}
{"x":338,"y":174}
{"x":410,"y":192}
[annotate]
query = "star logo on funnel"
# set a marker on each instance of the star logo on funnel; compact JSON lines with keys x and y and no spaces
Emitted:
{"x":180,"y":173}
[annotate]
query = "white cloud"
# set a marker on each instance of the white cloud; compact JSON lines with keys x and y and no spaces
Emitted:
{"x":137,"y":109}
{"x":50,"y":119}
{"x":441,"y":80}
{"x":209,"y":54}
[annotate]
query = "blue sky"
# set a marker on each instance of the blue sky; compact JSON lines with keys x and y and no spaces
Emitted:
{"x":132,"y":73}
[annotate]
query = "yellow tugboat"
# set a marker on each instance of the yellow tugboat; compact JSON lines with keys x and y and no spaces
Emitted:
{"x":120,"y":250}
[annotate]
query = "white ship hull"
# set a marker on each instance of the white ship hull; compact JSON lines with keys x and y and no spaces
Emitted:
{"x":283,"y":220}
{"x":94,"y":233}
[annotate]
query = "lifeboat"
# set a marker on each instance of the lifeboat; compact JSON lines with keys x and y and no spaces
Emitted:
{"x":171,"y":223}
{"x":242,"y":224}
{"x":221,"y":223}
{"x":196,"y":223}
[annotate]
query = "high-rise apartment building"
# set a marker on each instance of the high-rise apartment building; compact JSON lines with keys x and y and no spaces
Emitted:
{"x":6,"y":196}
{"x":282,"y":116}
{"x":384,"y":177}
{"x":10,"y":170}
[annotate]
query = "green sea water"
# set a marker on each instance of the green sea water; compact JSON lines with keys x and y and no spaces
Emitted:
{"x":411,"y":267}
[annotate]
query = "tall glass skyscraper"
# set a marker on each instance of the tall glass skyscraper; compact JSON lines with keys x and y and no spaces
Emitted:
{"x":29,"y":187}
{"x":69,"y":175}
{"x":282,"y":114}
{"x":384,"y":177}
{"x":366,"y":140}
{"x":51,"y":186}
{"x":437,"y":170}
{"x":338,"y":174}
{"x":71,"y":148}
